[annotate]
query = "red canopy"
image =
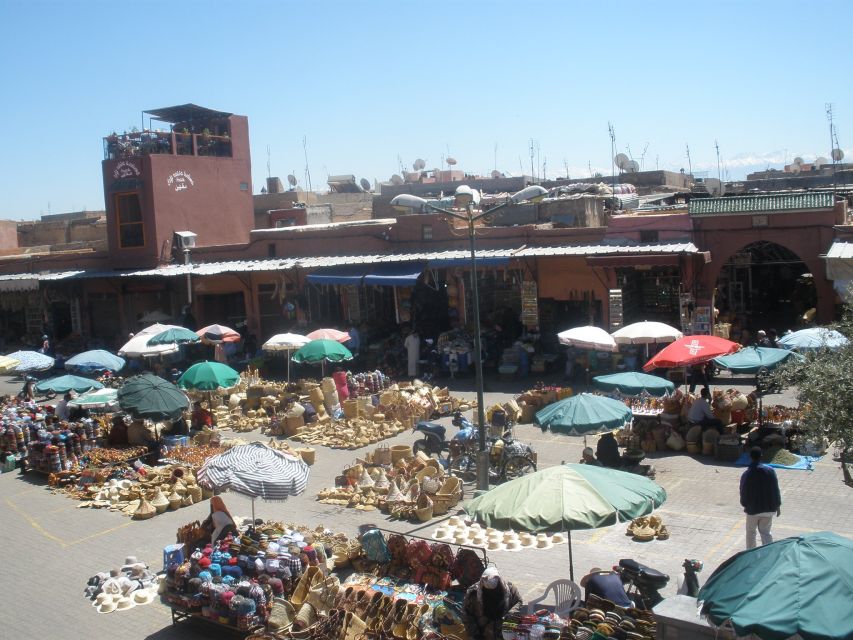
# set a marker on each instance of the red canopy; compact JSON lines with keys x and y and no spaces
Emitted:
{"x":329,"y":334}
{"x":691,"y":350}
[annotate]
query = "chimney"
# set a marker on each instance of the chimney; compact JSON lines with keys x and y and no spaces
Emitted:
{"x":274,"y":185}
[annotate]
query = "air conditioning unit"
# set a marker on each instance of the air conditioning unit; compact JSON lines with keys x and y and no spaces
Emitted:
{"x":184,"y":240}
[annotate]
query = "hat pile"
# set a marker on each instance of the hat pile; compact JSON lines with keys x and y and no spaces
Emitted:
{"x":456,"y":531}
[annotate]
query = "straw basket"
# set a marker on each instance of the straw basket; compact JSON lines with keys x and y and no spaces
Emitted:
{"x":350,"y":408}
{"x":424,"y":510}
{"x":400,"y":452}
{"x":307,"y":454}
{"x":382,"y":455}
{"x":448,"y":496}
{"x":292,"y":425}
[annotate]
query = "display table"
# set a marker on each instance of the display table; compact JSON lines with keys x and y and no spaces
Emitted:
{"x":183,"y":615}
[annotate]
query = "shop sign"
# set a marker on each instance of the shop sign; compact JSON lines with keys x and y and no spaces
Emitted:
{"x":127,"y":184}
{"x":180,"y":180}
{"x":126,"y":169}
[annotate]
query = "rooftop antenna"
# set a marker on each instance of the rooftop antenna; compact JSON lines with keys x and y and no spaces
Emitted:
{"x":837,"y":153}
{"x":689,"y":163}
{"x":520,"y":167}
{"x":589,"y":167}
{"x":566,"y":165}
{"x":643,"y":157}
{"x":269,"y":173}
{"x":545,"y":168}
{"x":657,"y":162}
{"x":612,"y":133}
{"x":307,"y":169}
{"x":495,"y":168}
{"x":532,"y":170}
{"x":719,"y":171}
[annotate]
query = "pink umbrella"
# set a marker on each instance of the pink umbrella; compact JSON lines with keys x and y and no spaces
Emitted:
{"x":329,"y":334}
{"x":216,"y":333}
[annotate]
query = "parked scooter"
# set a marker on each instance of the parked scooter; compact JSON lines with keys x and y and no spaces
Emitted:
{"x":508,"y":458}
{"x":643,"y":584}
{"x":434,"y":442}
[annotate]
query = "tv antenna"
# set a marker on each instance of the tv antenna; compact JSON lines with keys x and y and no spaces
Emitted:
{"x":719,"y":171}
{"x":269,"y":173}
{"x":689,"y":161}
{"x":532,"y":169}
{"x":496,"y":157}
{"x":566,"y":165}
{"x":837,"y":154}
{"x":307,"y":169}
{"x":612,"y":132}
{"x":643,"y":157}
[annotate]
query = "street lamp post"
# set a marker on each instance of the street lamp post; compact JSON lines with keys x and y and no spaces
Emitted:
{"x":466,"y":198}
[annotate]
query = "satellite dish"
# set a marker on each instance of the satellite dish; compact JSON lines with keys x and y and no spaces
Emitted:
{"x":496,"y":174}
{"x":632,"y":166}
{"x":837,"y":155}
{"x":291,"y":180}
{"x":451,"y":161}
{"x":419,"y":164}
{"x":622,"y":161}
{"x":396,"y":180}
{"x":365,"y":184}
{"x":820,"y":161}
{"x":798,"y":160}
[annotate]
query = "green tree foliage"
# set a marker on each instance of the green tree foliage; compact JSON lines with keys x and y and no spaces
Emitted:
{"x":824,"y":383}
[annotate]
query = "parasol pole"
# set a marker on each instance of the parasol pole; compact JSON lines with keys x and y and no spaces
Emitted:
{"x":288,"y":366}
{"x":571,"y":559}
{"x":253,"y":511}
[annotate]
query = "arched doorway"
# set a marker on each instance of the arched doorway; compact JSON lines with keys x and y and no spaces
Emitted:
{"x":764,"y":286}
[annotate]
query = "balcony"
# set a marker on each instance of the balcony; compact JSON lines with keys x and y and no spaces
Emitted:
{"x":134,"y":144}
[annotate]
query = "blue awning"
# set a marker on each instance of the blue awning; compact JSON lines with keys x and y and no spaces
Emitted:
{"x":466,"y":262}
{"x":395,"y":274}
{"x":347,"y":274}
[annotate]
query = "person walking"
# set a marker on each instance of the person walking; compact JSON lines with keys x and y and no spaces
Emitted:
{"x":760,"y":498}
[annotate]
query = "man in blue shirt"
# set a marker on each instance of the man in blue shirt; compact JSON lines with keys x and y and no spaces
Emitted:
{"x":760,"y":498}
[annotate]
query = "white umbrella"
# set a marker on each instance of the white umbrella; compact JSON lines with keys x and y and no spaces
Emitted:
{"x":589,"y":337}
{"x":138,"y":347}
{"x":286,"y":342}
{"x":646,"y":332}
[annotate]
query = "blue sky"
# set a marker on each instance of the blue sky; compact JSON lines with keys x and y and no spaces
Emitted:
{"x":368,"y":82}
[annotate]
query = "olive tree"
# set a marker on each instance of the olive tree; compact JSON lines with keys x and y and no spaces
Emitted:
{"x":824,"y":384}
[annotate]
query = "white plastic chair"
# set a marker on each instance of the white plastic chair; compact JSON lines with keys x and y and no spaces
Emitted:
{"x":567,"y":595}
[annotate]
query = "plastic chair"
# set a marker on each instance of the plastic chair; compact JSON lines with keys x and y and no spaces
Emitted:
{"x":567,"y":595}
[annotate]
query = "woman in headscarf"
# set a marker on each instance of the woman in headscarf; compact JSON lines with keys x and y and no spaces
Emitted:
{"x":486,"y":603}
{"x":220,"y":520}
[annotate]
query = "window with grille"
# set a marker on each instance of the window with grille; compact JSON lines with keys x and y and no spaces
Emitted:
{"x":131,"y":229}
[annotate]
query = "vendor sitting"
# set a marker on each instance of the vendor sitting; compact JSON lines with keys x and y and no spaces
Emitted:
{"x":219,"y":520}
{"x":607,"y":451}
{"x":700,"y":412}
{"x":607,"y":585}
{"x":486,"y":603}
{"x":588,"y":457}
{"x":201,"y":417}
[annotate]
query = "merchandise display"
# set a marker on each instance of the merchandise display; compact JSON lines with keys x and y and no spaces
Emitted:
{"x":120,"y":589}
{"x":459,"y":531}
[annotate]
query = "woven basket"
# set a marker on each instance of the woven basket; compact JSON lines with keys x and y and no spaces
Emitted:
{"x":382,"y":455}
{"x":400,"y":452}
{"x":448,"y":496}
{"x":424,"y":510}
{"x":144,"y":511}
{"x":307,"y":454}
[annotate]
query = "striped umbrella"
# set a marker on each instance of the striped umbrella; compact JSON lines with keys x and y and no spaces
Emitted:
{"x":31,"y":361}
{"x":257,"y":471}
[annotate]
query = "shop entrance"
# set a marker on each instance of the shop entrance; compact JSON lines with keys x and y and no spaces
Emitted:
{"x":650,"y":293}
{"x":223,"y":308}
{"x":60,"y":320}
{"x":765,"y":286}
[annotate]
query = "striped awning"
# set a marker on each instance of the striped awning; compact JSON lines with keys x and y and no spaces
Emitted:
{"x":257,"y":471}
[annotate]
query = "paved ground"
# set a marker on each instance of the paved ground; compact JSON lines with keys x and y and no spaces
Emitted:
{"x":52,"y":547}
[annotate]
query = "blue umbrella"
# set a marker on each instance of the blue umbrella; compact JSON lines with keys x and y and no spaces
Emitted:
{"x":95,"y":360}
{"x":753,"y":359}
{"x":632,"y":383}
{"x":66,"y":383}
{"x":31,"y":361}
{"x":583,"y":414}
{"x":813,"y":338}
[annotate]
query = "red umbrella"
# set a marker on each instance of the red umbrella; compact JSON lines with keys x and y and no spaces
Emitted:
{"x":217,"y":333}
{"x":329,"y":334}
{"x":691,"y":350}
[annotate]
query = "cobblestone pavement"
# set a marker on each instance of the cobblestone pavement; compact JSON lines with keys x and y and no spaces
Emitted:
{"x":53,"y":547}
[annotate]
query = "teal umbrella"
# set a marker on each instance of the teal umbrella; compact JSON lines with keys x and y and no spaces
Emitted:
{"x":632,"y":383}
{"x":95,"y":360}
{"x":66,"y":383}
{"x":583,"y":414}
{"x":209,"y":376}
{"x":173,"y":335}
{"x":565,"y":498}
{"x":151,"y":397}
{"x":753,"y":359}
{"x":96,"y":399}
{"x":322,"y":351}
{"x":801,"y":585}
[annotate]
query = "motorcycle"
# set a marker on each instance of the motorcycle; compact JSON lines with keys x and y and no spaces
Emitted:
{"x":643,"y":584}
{"x":434,"y":442}
{"x":508,"y":458}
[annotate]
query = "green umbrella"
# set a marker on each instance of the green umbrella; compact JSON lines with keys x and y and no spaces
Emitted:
{"x":633,"y":383}
{"x":147,"y":396}
{"x":322,"y":351}
{"x":565,"y":498}
{"x":66,"y":383}
{"x":173,"y":335}
{"x":583,"y":414}
{"x":753,"y":359}
{"x":97,"y":399}
{"x":209,"y":376}
{"x":801,"y":585}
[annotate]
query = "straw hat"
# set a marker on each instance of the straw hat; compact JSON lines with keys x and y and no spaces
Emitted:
{"x":543,"y":541}
{"x":527,"y":540}
{"x":495,"y":544}
{"x":455,"y":521}
{"x":513,"y":544}
{"x":124,"y":604}
{"x":479,"y":539}
{"x":461,"y":537}
{"x":490,"y":531}
{"x":107,"y":606}
{"x":559,"y":538}
{"x":510,"y":535}
{"x":143,"y":596}
{"x":102,"y":598}
{"x":442,"y":533}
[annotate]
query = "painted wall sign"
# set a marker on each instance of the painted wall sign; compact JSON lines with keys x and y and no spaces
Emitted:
{"x":180,"y":180}
{"x":125,"y":169}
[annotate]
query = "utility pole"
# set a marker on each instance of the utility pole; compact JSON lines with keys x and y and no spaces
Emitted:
{"x":612,"y":133}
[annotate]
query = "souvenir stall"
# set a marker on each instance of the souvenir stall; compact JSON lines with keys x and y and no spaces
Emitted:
{"x":396,"y":482}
